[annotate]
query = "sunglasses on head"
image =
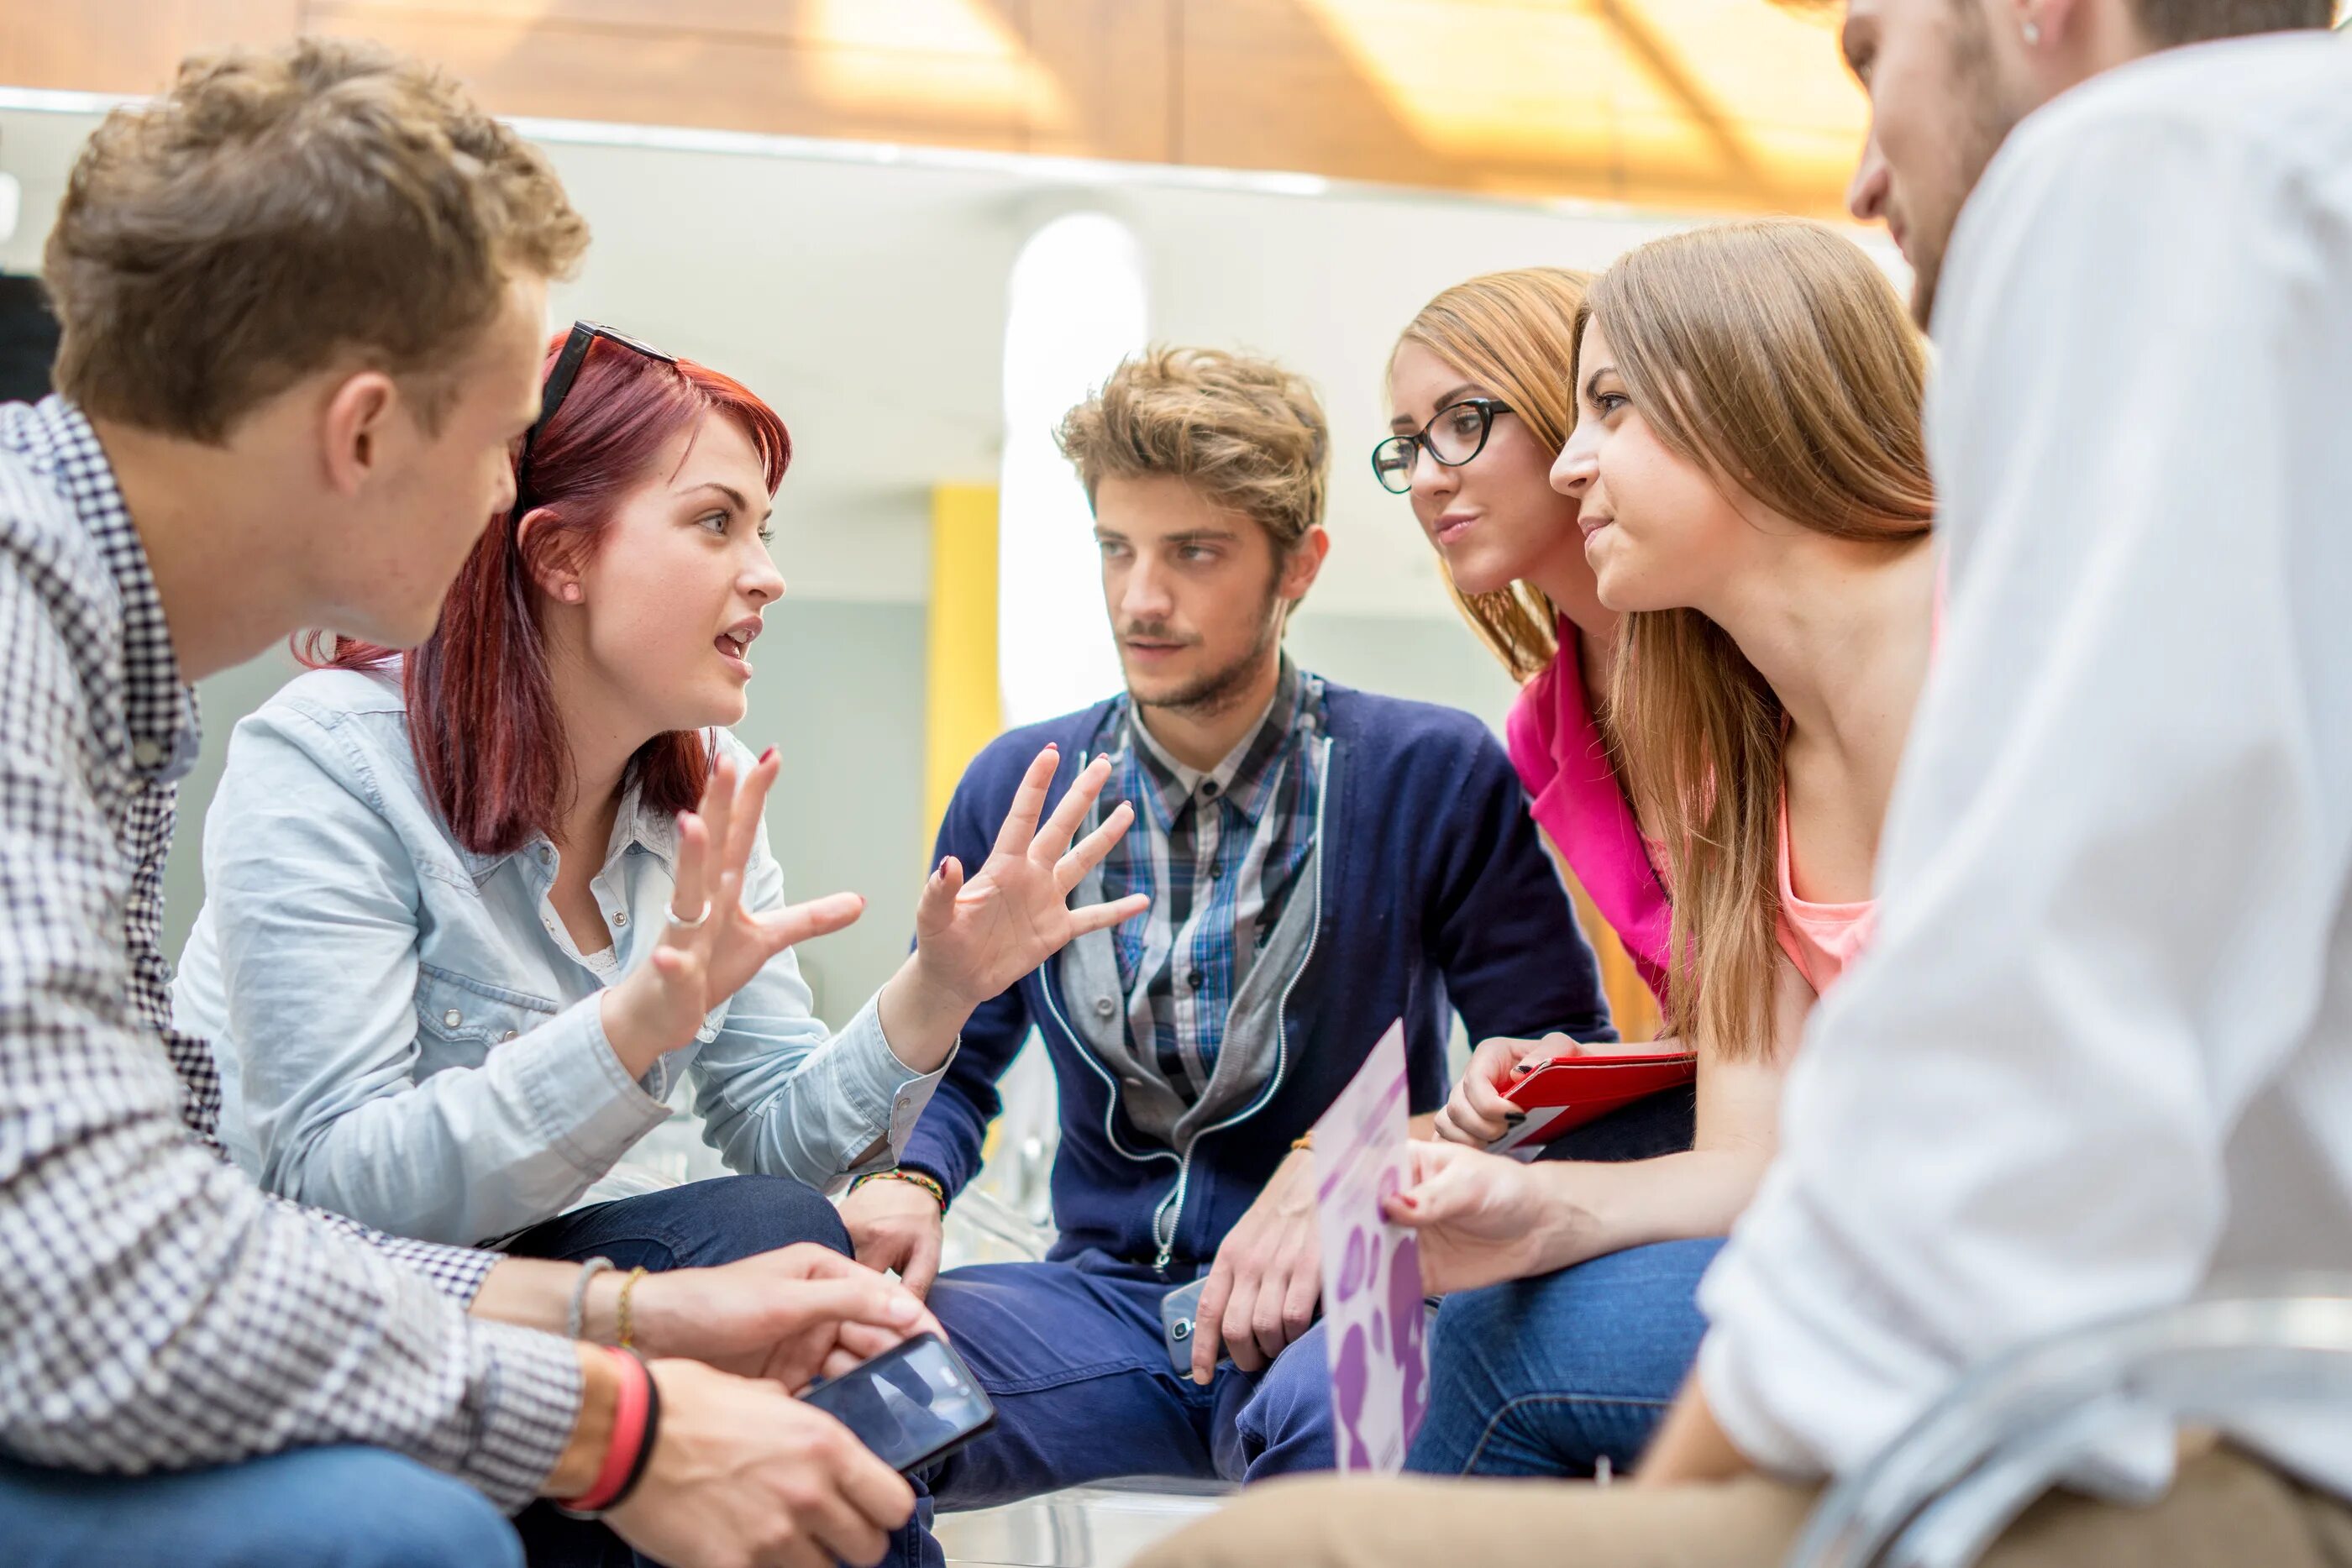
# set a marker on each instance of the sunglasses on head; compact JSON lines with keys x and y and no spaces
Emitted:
{"x":585,"y":335}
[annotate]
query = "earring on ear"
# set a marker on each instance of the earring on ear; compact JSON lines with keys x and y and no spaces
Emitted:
{"x":2033,"y":30}
{"x":571,"y":594}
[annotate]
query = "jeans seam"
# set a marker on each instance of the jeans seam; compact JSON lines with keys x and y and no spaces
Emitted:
{"x":1061,"y":1377}
{"x":1512,"y":1406}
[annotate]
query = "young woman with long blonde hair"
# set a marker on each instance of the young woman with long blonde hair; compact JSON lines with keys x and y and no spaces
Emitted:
{"x":1751,"y":495}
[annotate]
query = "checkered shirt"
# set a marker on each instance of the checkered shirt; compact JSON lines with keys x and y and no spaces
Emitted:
{"x":1219,"y":853}
{"x":157,"y":1311}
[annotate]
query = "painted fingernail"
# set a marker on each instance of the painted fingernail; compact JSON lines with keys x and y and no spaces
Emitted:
{"x":768,"y":754}
{"x":1513,"y":1118}
{"x":1407,"y":1199}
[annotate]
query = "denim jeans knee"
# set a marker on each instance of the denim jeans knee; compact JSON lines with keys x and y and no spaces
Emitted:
{"x":333,"y":1508}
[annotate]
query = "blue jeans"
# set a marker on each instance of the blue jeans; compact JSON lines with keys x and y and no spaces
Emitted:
{"x":697,"y":1226}
{"x":1073,"y":1356}
{"x":326,"y":1508}
{"x":1547,"y":1377}
{"x":364,"y":1507}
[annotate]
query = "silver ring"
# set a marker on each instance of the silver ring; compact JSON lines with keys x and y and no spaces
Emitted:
{"x":682,"y":923}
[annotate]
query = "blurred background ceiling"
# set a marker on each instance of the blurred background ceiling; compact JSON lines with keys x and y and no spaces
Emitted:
{"x":1679,"y":104}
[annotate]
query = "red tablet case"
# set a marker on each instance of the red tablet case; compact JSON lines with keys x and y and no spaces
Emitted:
{"x":1569,"y":1090}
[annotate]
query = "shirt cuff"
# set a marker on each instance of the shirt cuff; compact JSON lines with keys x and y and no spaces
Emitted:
{"x":530,"y":1391}
{"x":887,"y":1093}
{"x":583,"y":1101}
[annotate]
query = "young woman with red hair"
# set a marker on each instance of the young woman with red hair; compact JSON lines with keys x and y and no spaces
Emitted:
{"x":472,"y":914}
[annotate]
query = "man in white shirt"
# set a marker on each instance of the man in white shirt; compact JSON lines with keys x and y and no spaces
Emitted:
{"x":2102,"y":1051}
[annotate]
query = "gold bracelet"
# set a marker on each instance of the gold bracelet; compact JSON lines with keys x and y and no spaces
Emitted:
{"x":628,"y":1332}
{"x":929,"y":1184}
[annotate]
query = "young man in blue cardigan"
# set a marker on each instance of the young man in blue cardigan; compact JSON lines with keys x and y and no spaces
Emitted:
{"x":1320,"y":862}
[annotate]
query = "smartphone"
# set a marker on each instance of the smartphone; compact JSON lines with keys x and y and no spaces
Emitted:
{"x":1178,"y":1310}
{"x":913,"y":1404}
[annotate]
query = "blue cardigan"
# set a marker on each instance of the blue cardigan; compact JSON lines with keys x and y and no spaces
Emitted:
{"x":1436,"y":894}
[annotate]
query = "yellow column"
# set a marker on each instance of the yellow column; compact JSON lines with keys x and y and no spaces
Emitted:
{"x":964,"y":710}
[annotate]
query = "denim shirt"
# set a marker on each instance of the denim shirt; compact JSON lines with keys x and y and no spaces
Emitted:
{"x":407,"y":1033}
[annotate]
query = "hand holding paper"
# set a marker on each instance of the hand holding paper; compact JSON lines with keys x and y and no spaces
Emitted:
{"x":1480,"y":1218}
{"x":1374,"y":1321}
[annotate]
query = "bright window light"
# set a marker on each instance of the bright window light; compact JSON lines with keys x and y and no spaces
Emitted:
{"x":1079,"y":305}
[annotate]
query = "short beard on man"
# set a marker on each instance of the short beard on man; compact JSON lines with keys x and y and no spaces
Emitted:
{"x":1985,"y":117}
{"x":1219,"y":689}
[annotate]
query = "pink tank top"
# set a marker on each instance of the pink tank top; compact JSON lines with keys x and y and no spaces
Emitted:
{"x":1561,"y":758}
{"x":1821,"y":939}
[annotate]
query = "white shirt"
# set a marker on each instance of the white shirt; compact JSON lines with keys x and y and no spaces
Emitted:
{"x":2102,"y":1051}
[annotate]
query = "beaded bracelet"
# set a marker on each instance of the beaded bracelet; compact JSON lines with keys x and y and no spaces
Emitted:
{"x":627,"y":1335}
{"x":916,"y":1179}
{"x":575,"y":1321}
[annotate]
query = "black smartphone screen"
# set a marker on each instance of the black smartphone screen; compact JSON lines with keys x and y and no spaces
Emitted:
{"x":910,"y":1405}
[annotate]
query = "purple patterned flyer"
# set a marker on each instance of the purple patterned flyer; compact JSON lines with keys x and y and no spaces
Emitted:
{"x":1375,"y":1329}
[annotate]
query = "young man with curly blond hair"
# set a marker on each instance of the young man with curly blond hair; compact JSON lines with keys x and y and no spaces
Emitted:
{"x":1320,"y":862}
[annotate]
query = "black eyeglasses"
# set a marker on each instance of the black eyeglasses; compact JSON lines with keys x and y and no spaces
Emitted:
{"x":1457,"y":433}
{"x":568,"y":361}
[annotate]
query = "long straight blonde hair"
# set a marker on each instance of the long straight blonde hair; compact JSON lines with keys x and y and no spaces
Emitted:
{"x":1774,"y":355}
{"x":1513,"y":333}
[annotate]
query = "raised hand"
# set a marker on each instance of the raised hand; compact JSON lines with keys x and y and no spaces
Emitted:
{"x":975,"y":937}
{"x":711,"y":945}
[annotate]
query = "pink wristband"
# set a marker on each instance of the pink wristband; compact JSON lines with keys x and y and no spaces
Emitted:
{"x":628,"y":1435}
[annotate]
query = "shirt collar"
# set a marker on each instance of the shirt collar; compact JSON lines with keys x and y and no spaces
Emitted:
{"x":158,"y":708}
{"x":1244,"y":778}
{"x":633,"y":825}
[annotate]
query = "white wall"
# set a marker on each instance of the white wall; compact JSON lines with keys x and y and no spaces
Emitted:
{"x":863,"y":292}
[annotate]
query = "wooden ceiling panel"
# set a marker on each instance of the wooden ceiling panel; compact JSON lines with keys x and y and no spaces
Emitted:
{"x":731,"y":82}
{"x":1682,"y":103}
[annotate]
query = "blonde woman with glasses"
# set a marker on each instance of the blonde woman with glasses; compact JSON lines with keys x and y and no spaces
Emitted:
{"x":1733,"y":554}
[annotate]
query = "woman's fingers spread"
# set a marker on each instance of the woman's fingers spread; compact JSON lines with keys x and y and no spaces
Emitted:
{"x":798,"y":923}
{"x":1103,"y":916}
{"x":719,"y":813}
{"x":1072,"y":868}
{"x":688,"y":893}
{"x":936,"y":905}
{"x":1063,"y":825}
{"x":750,"y":801}
{"x":1028,"y":804}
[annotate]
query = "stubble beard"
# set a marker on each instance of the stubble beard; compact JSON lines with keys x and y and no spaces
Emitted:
{"x":1214,"y":693}
{"x":1984,"y":119}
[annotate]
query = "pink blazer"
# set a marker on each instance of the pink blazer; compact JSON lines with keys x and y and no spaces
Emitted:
{"x":1577,"y":800}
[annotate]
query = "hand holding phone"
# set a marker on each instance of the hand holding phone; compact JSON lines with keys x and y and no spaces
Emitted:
{"x":913,"y":1404}
{"x":742,"y":1472}
{"x":1178,"y":1311}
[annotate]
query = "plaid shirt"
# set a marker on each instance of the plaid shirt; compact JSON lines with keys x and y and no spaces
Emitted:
{"x":161,"y":1312}
{"x":1219,"y":853}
